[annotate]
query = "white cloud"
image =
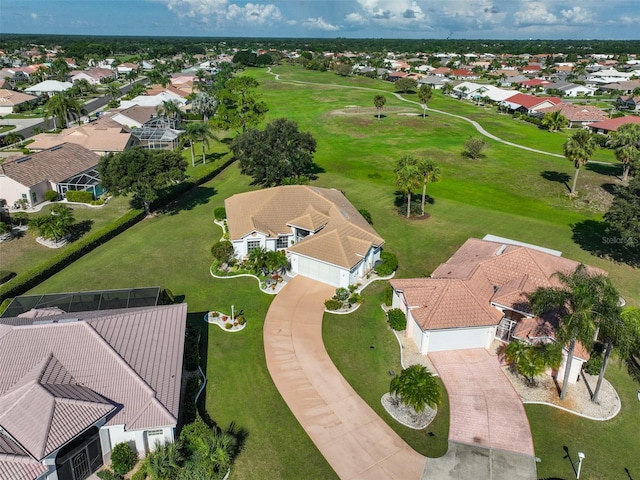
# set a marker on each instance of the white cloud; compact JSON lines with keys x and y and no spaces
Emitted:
{"x":390,"y":13}
{"x":34,"y":16}
{"x":534,"y":13}
{"x":577,"y":16}
{"x":319,"y":24}
{"x":250,"y":13}
{"x":476,"y":14}
{"x":253,"y":13}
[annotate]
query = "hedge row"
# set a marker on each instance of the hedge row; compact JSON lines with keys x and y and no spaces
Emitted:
{"x":30,"y":278}
{"x":81,"y":196}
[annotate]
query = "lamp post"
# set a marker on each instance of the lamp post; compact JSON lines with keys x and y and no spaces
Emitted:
{"x":580,"y":458}
{"x":232,"y":313}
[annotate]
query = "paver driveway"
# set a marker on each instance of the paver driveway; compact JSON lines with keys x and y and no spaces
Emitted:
{"x":485,"y":409}
{"x":356,"y":442}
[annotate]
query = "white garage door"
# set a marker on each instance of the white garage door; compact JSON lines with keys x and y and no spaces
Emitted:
{"x":329,"y":274}
{"x":457,"y":339}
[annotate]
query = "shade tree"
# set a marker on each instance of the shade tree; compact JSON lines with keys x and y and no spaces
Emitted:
{"x":424,"y":95}
{"x":240,"y":105}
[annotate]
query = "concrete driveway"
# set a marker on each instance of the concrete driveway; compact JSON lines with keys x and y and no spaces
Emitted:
{"x":355,"y":441}
{"x":489,"y":433}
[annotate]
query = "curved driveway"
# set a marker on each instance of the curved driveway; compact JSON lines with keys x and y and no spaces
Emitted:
{"x":355,"y":441}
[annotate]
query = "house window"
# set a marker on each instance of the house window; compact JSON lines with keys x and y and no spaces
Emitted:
{"x":252,"y":245}
{"x":151,"y":433}
{"x":282,"y":242}
{"x":300,"y":234}
{"x":34,"y":197}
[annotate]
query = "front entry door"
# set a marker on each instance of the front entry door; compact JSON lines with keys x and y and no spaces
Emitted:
{"x":80,"y":466}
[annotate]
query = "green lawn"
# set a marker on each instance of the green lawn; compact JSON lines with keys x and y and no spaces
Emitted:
{"x":510,"y":192}
{"x":609,"y":447}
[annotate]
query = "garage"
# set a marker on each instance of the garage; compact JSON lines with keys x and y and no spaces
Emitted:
{"x":459,"y":338}
{"x":308,"y":267}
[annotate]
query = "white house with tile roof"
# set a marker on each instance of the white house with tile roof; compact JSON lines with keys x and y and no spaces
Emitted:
{"x":325,"y":236}
{"x":480,"y":294}
{"x":74,"y":385}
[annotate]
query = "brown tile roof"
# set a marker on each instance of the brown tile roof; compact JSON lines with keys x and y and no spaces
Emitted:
{"x":103,"y":135}
{"x":613,"y":124}
{"x":9,"y":97}
{"x":344,"y":236}
{"x":138,"y":113}
{"x":55,"y":164}
{"x":493,"y":273}
{"x":577,"y":113}
{"x":59,"y":377}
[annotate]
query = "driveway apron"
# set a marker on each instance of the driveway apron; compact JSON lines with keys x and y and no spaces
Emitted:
{"x":355,"y":441}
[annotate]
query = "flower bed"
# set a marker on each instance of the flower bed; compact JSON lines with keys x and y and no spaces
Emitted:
{"x":225,"y":322}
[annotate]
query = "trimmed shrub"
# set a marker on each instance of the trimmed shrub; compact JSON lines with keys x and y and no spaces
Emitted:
{"x":222,"y":251}
{"x":5,"y":303}
{"x":192,"y":348}
{"x":342,"y":294}
{"x":167,"y":297}
{"x":333,"y":304}
{"x":388,"y":265}
{"x":397,"y":319}
{"x":123,"y":458}
{"x":220,"y":213}
{"x":21,"y":218}
{"x":355,"y":298}
{"x":593,"y":365}
{"x":6,"y":275}
{"x":80,"y":196}
{"x":189,"y":402}
{"x":51,"y":195}
{"x":366,"y":215}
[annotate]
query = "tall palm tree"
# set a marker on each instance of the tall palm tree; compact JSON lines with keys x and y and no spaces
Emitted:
{"x":424,"y":95}
{"x":164,"y":463}
{"x":554,"y":121}
{"x":408,"y":178}
{"x":417,"y":387}
{"x":626,"y":141}
{"x":532,"y":360}
{"x":113,"y":90}
{"x":13,"y":137}
{"x":430,"y":173}
{"x":578,"y":148}
{"x":170,"y":108}
{"x":205,"y":104}
{"x":379,"y":101}
{"x":60,"y":106}
{"x":581,"y":301}
{"x":200,"y":132}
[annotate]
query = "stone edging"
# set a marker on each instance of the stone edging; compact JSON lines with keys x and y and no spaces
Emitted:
{"x":272,"y":292}
{"x":359,"y":290}
{"x":230,"y":330}
{"x":413,"y":427}
{"x":536,"y":402}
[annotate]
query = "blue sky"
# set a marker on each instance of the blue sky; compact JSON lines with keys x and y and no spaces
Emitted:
{"x":471,"y":19}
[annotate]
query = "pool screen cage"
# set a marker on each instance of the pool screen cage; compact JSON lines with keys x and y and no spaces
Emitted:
{"x":158,"y":133}
{"x":85,"y":301}
{"x":86,"y":181}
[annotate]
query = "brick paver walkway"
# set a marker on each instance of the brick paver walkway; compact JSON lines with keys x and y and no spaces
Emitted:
{"x":356,"y":442}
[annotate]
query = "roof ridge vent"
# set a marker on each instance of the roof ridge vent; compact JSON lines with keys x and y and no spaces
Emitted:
{"x":23,"y":159}
{"x":501,"y":250}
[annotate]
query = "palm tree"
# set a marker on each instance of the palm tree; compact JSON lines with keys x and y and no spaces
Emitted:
{"x":379,"y":101}
{"x":430,"y":173}
{"x":407,"y":177}
{"x":447,"y":88}
{"x":55,"y":225}
{"x":200,"y":132}
{"x":205,"y":104}
{"x":578,"y":148}
{"x":257,"y":259}
{"x":424,"y":95}
{"x":417,"y":388}
{"x":554,"y":121}
{"x":170,"y":108}
{"x":113,"y":90}
{"x":277,"y":262}
{"x":61,"y":105}
{"x":626,"y":141}
{"x":164,"y":463}
{"x":533,"y":360}
{"x":216,"y":450}
{"x":131,"y":76}
{"x":581,"y":301}
{"x":13,"y":137}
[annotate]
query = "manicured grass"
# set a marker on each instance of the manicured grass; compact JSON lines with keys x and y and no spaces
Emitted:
{"x":510,"y":192}
{"x":22,"y":253}
{"x":6,"y":128}
{"x":365,"y":350}
{"x":610,"y":448}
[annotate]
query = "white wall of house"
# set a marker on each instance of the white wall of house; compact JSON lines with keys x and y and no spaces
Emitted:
{"x":576,"y":367}
{"x":458,"y":338}
{"x":12,"y":191}
{"x":321,"y":271}
{"x":6,"y":109}
{"x":242,"y":246}
{"x":142,"y":440}
{"x":579,"y":90}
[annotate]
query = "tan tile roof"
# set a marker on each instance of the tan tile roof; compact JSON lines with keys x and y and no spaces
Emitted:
{"x":343,"y":236}
{"x":103,"y":135}
{"x":55,"y":164}
{"x":532,"y":329}
{"x":138,"y":113}
{"x":9,"y":97}
{"x":577,"y":113}
{"x":59,"y":378}
{"x":472,"y":274}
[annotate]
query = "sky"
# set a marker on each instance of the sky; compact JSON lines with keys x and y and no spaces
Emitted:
{"x":460,"y":19}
